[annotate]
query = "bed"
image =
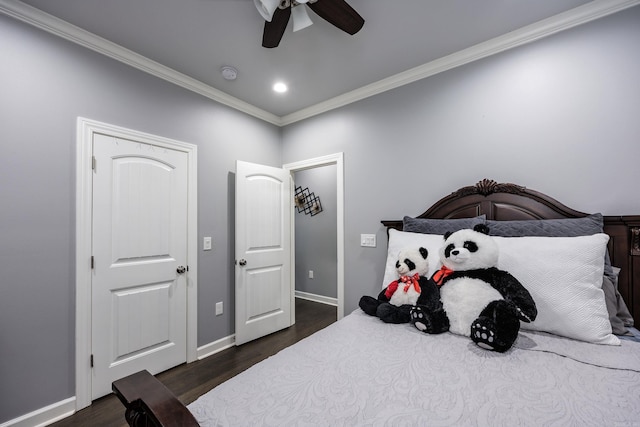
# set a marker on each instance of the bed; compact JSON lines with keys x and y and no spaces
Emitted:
{"x":579,"y":366}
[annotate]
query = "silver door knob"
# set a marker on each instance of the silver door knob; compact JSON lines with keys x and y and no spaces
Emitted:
{"x":242,"y":262}
{"x":181,"y":269}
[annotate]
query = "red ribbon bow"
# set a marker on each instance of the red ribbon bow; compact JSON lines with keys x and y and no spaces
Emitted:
{"x":440,"y":275}
{"x":409,"y":281}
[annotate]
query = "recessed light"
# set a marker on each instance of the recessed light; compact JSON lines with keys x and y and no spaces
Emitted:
{"x":280,"y":87}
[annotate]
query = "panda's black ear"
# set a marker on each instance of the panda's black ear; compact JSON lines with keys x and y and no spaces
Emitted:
{"x":481,"y":228}
{"x":424,"y":252}
{"x":447,"y":234}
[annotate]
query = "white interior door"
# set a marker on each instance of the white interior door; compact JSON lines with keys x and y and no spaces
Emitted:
{"x":139,"y":306}
{"x":263,"y":251}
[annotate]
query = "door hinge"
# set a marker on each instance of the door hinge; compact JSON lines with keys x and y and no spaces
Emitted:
{"x":93,"y":162}
{"x":92,"y":262}
{"x":92,"y":360}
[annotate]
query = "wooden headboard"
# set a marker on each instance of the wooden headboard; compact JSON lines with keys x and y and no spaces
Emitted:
{"x":504,"y":202}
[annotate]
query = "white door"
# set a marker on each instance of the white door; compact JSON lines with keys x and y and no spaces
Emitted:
{"x":263,"y":251}
{"x":139,"y":251}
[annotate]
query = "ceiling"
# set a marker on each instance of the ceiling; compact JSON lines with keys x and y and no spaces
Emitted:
{"x":401,"y":41}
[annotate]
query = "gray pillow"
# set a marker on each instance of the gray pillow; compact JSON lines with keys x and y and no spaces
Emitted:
{"x":623,"y":311}
{"x":439,"y":226}
{"x":565,"y":227}
{"x":611,"y":298}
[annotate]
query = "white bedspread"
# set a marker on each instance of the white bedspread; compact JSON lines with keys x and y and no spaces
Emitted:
{"x":363,"y":372}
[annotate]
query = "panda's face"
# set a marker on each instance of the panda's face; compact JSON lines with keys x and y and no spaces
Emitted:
{"x":412,"y":261}
{"x":404,"y":266}
{"x":469,"y":250}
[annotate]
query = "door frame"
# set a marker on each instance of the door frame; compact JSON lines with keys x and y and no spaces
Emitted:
{"x":85,"y":129}
{"x":331,"y":159}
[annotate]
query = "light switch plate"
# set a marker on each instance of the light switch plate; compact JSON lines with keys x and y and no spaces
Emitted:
{"x":368,"y":240}
{"x":206,"y":243}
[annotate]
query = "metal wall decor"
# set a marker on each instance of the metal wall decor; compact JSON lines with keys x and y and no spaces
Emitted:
{"x":307,"y":202}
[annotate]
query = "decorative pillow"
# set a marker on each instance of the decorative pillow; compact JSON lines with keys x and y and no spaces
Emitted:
{"x":564,"y":277}
{"x":611,"y":299}
{"x":401,"y":239}
{"x":572,"y":227}
{"x":622,"y":310}
{"x":563,"y":274}
{"x":562,"y":227}
{"x":439,"y":226}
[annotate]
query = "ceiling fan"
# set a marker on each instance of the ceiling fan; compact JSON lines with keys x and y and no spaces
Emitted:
{"x":277,"y":13}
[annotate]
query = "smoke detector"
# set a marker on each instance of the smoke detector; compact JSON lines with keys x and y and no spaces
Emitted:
{"x":229,"y":73}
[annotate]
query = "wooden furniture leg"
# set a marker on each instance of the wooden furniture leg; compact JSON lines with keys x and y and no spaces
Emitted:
{"x":149,"y":403}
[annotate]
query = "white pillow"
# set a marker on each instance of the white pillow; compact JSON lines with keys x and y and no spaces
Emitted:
{"x":564,"y":277}
{"x":399,"y":240}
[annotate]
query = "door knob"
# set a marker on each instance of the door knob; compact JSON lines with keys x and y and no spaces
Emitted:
{"x":242,"y":262}
{"x":181,"y":269}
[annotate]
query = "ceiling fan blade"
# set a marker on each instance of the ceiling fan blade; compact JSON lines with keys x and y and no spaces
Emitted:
{"x":274,"y":30}
{"x":339,"y":13}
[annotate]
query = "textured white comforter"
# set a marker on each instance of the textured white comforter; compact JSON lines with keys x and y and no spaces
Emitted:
{"x":363,"y":372}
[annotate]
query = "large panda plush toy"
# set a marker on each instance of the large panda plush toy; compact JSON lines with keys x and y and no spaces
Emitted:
{"x":478,"y":299}
{"x":413,"y":287}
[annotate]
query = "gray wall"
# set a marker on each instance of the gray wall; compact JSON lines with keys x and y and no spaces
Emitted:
{"x":45,"y":84}
{"x":560,"y":116}
{"x":316,"y":239}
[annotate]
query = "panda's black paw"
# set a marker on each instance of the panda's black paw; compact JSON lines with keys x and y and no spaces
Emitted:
{"x":483,"y":333}
{"x":418,"y":319}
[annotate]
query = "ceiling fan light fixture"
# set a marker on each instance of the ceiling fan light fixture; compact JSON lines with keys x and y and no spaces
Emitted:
{"x":267,"y":8}
{"x":300,"y":17}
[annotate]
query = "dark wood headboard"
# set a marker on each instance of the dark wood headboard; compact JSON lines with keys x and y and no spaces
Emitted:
{"x":504,"y":202}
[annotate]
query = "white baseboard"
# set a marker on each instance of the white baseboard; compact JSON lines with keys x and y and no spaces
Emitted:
{"x":44,"y":416}
{"x":227,"y":342}
{"x":215,"y":347}
{"x":57,"y":411}
{"x":317,"y":298}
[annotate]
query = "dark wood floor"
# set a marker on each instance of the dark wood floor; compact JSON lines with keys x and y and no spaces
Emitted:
{"x":189,"y":381}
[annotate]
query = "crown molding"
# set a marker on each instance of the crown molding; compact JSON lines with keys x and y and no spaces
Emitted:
{"x":44,"y":21}
{"x":563,"y":21}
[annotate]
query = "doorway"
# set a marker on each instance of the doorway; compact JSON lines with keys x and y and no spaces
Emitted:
{"x":337,"y":160}
{"x":265,"y":251}
{"x":315,"y":235}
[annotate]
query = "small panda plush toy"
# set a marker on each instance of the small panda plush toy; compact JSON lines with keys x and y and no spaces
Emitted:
{"x":478,"y":299}
{"x":413,"y":287}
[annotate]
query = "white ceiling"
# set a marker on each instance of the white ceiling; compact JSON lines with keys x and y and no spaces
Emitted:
{"x":401,"y":41}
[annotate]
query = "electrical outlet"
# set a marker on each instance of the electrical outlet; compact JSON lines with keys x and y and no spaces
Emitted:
{"x":368,"y":240}
{"x":206,"y":243}
{"x":310,"y":274}
{"x":219,"y":308}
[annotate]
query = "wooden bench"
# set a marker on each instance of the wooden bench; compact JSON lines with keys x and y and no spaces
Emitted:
{"x":149,"y":403}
